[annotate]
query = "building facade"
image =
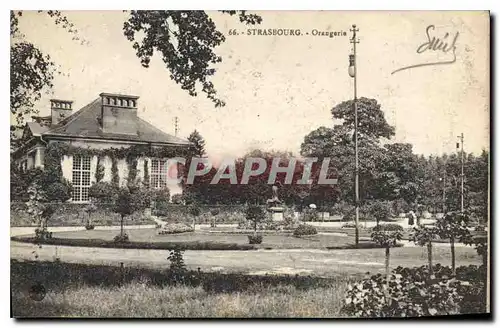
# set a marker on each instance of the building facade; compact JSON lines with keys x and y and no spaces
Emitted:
{"x":106,"y":126}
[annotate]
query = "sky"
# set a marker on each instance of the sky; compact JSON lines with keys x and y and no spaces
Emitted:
{"x":277,"y":89}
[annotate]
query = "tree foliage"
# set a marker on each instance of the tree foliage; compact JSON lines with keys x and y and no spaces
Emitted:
{"x":186,"y":42}
{"x":255,"y":214}
{"x":198,"y":144}
{"x":31,"y":71}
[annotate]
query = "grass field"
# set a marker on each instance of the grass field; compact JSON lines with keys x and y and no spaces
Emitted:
{"x":141,"y":301}
{"x":75,"y":290}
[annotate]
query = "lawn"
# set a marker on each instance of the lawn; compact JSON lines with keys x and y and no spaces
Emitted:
{"x":140,"y":301}
{"x":75,"y":290}
{"x":274,"y":241}
{"x":137,"y":300}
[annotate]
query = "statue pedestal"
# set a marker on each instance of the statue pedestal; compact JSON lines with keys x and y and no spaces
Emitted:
{"x":276,"y":213}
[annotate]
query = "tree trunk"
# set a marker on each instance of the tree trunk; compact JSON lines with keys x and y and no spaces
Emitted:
{"x":429,"y":254}
{"x":387,"y":273}
{"x":121,"y":226}
{"x":452,"y":245}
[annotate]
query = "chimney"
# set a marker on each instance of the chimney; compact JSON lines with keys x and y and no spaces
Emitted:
{"x":60,"y":109}
{"x":119,"y":113}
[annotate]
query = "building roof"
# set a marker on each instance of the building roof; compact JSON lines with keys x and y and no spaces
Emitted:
{"x":85,"y":123}
{"x":37,"y":129}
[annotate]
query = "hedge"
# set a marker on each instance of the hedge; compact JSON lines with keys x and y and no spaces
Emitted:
{"x":361,"y":245}
{"x":186,"y":245}
{"x":72,"y":214}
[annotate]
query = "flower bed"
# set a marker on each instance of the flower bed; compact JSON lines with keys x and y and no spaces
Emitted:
{"x":172,"y":228}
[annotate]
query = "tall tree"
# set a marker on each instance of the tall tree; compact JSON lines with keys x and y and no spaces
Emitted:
{"x":338,"y":144}
{"x":198,"y":144}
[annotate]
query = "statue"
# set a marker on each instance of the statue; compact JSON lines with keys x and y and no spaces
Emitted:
{"x":276,"y":211}
{"x":274,"y":200}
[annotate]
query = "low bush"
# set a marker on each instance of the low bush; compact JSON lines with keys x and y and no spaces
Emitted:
{"x":89,"y":226}
{"x":310,"y":215}
{"x":414,"y":292}
{"x":188,"y":245}
{"x":255,"y":239}
{"x":73,"y":214}
{"x":289,"y":223}
{"x":172,"y":228}
{"x":121,"y":238}
{"x":177,"y":266}
{"x":305,"y":230}
{"x":42,"y":234}
{"x":388,"y":227}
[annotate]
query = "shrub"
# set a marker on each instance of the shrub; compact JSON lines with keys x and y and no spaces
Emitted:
{"x":412,"y":293}
{"x":59,"y":191}
{"x":177,"y":267}
{"x":305,"y":230}
{"x":194,"y":210}
{"x":243,"y":224}
{"x":103,"y":192}
{"x":160,"y":198}
{"x":310,"y":215}
{"x":379,"y":210}
{"x":255,"y":239}
{"x":289,"y":223}
{"x":214,"y":211}
{"x":89,"y":226}
{"x":388,"y":227}
{"x":121,"y":238}
{"x":177,"y":199}
{"x":255,"y":214}
{"x":173,"y":228}
{"x":269,"y":224}
{"x":42,"y":234}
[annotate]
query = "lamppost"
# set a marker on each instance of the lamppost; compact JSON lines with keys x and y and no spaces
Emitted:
{"x":353,"y":74}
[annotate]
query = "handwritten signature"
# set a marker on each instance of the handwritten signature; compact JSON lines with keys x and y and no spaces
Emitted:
{"x":435,"y":44}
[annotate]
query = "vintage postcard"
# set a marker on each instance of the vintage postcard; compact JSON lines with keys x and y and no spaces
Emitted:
{"x":249,"y":164}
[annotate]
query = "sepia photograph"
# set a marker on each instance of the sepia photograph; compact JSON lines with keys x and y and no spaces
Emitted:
{"x":190,"y":164}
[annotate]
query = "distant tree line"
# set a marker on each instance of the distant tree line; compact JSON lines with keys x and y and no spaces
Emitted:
{"x":391,"y":175}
